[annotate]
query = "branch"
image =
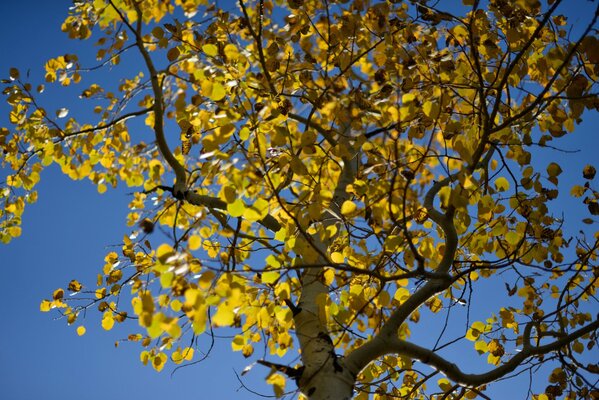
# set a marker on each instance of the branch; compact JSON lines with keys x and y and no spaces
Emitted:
{"x":257,"y":36}
{"x":453,"y":372}
{"x":541,"y":96}
{"x":268,"y":222}
{"x":113,"y":122}
{"x":192,"y":197}
{"x":369,"y":351}
{"x":308,"y":122}
{"x":158,"y":106}
{"x":519,"y":56}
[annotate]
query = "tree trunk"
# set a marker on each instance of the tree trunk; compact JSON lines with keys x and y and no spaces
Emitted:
{"x":332,"y":381}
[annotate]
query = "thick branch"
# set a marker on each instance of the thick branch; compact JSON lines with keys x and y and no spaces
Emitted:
{"x":268,"y":222}
{"x":369,"y":351}
{"x":453,"y":372}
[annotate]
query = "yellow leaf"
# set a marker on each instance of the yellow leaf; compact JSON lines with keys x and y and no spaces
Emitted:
{"x":512,"y":238}
{"x":435,"y":305}
{"x":156,"y":329}
{"x":577,"y":191}
{"x":210,"y":50}
{"x":247,"y":350}
{"x":493,"y":360}
{"x":472,"y":334}
{"x":479,"y":326}
{"x":481,"y":346}
{"x":173,"y":329}
{"x":159,"y":361}
{"x":107,"y":320}
{"x":74,"y":286}
{"x":348,"y":208}
{"x":81,"y":330}
{"x":205,"y":280}
{"x":147,"y":302}
{"x":176,"y":357}
{"x":195,"y":242}
{"x":199,"y":320}
{"x":430,"y":109}
{"x":224,"y":315}
{"x":237,"y":343}
{"x":218,"y":92}
{"x":188,"y":353}
{"x":329,"y":276}
{"x":244,"y":133}
{"x":58,"y":294}
{"x":166,"y":279}
{"x":401,"y":294}
{"x":337,"y":257}
{"x":281,"y":235}
{"x":206,"y":86}
{"x":444,"y":384}
{"x":408,"y":98}
{"x":256,"y":211}
{"x":176,"y":305}
{"x":45,"y":306}
{"x":231,"y":52}
{"x":270,"y":276}
{"x":236,"y":209}
{"x":278,"y":384}
{"x":164,"y":251}
{"x":501,"y":184}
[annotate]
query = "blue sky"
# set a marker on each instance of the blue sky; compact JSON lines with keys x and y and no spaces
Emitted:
{"x":65,"y":235}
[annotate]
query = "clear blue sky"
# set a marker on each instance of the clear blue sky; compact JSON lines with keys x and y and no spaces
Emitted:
{"x":64,"y":237}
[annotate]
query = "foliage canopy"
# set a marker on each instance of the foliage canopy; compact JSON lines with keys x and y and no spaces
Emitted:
{"x":322,"y":175}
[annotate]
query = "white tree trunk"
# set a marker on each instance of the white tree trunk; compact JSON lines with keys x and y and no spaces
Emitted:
{"x":330,"y":383}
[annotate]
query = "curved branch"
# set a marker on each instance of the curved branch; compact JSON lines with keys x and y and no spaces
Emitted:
{"x":158,"y":107}
{"x":453,"y":372}
{"x":369,"y":351}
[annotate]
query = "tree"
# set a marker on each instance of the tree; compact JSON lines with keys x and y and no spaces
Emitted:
{"x":322,"y":175}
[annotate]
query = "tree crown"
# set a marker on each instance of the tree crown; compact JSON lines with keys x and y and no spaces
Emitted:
{"x":322,"y":175}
